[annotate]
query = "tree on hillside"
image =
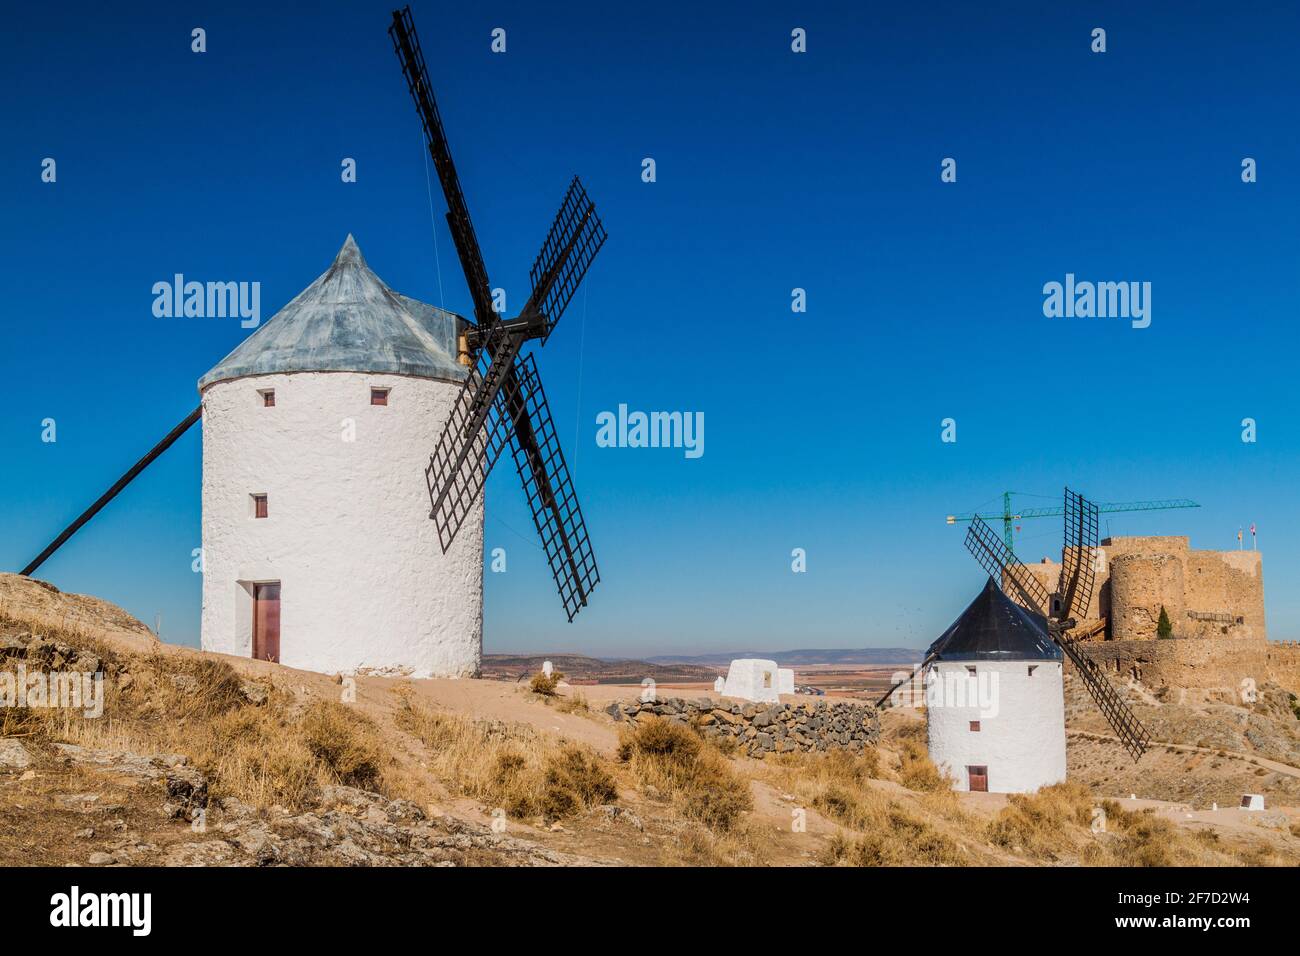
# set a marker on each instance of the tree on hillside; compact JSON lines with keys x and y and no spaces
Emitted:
{"x":1164,"y":627}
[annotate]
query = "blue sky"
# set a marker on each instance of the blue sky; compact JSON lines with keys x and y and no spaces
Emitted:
{"x":774,"y":171}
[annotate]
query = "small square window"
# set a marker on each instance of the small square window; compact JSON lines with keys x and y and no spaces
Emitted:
{"x":259,"y":506}
{"x":268,"y":397}
{"x":970,"y":669}
{"x":379,"y":396}
{"x":1032,"y":668}
{"x":974,"y":726}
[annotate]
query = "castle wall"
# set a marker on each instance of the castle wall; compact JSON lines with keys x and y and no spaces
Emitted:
{"x":1207,"y":594}
{"x":1284,"y":664}
{"x":1207,"y":664}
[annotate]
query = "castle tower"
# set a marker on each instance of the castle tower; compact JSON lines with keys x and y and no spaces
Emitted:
{"x":995,"y":707}
{"x":317,"y":544}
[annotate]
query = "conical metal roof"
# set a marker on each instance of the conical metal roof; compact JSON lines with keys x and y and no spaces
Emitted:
{"x":349,"y":320}
{"x":996,"y":628}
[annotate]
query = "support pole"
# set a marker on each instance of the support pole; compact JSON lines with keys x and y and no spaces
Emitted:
{"x":112,"y":493}
{"x":1006,"y":522}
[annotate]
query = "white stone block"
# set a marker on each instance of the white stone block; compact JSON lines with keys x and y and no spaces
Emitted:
{"x":751,"y":678}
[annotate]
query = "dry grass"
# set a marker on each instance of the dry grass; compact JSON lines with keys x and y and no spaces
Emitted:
{"x":895,"y":836}
{"x":1057,"y":823}
{"x":675,"y":760}
{"x":277,"y":753}
{"x":513,"y":767}
{"x":917,"y":771}
{"x":1042,"y":824}
{"x":574,"y":703}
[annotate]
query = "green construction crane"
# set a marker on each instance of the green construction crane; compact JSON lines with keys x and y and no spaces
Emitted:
{"x":1008,"y":516}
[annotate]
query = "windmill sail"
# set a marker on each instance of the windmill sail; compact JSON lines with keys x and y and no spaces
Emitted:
{"x":1001,"y":564}
{"x":551,"y":498}
{"x":476,"y":433}
{"x":1078,"y":555}
{"x":407,"y":45}
{"x":567,"y":252}
{"x":1121,"y":718}
{"x":502,"y":401}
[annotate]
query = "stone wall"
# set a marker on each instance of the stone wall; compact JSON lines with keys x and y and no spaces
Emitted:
{"x":1284,"y":664}
{"x":766,"y":728}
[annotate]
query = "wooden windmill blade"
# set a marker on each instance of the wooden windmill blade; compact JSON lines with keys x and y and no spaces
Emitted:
{"x":1003,"y":566}
{"x":131,"y":473}
{"x":477,"y":431}
{"x":906,"y":680}
{"x":501,"y":401}
{"x":567,"y":252}
{"x":1001,"y":563}
{"x":1118,"y":714}
{"x":407,"y":44}
{"x":1078,"y":555}
{"x":557,"y":516}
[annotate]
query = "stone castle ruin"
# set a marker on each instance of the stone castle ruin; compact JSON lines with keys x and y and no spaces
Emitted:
{"x":1214,"y":601}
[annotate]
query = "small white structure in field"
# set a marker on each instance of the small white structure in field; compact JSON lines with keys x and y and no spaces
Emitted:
{"x":548,"y":668}
{"x":995,"y":707}
{"x":317,"y":545}
{"x":1252,"y":801}
{"x":751,"y":678}
{"x":785,"y":680}
{"x":719,"y":685}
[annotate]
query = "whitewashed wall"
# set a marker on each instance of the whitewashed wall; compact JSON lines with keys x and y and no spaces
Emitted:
{"x":1023,"y":741}
{"x":365,"y":586}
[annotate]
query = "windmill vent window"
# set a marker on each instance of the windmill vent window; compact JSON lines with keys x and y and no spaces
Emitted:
{"x":974,"y":726}
{"x":970,"y":669}
{"x":379,"y":396}
{"x":1032,"y":668}
{"x":259,"y":506}
{"x":268,"y":397}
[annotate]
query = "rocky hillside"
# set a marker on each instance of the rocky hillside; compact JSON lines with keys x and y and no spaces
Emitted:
{"x":198,"y":759}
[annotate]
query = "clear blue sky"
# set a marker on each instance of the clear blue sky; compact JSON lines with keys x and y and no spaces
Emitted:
{"x":775,"y":170}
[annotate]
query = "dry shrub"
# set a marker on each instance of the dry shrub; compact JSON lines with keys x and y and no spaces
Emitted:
{"x":575,"y":779}
{"x":894,"y":836}
{"x":671,"y":757}
{"x":344,"y":742}
{"x":254,"y":755}
{"x":541,"y":684}
{"x":510,"y":765}
{"x":743,"y":845}
{"x":855,"y":807}
{"x":1040,"y":823}
{"x":917,"y":771}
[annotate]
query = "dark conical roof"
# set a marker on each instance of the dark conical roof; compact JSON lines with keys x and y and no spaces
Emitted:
{"x":996,"y":628}
{"x":349,"y":320}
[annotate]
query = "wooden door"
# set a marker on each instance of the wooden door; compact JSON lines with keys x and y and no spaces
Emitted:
{"x":266,"y":622}
{"x":979,"y":779}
